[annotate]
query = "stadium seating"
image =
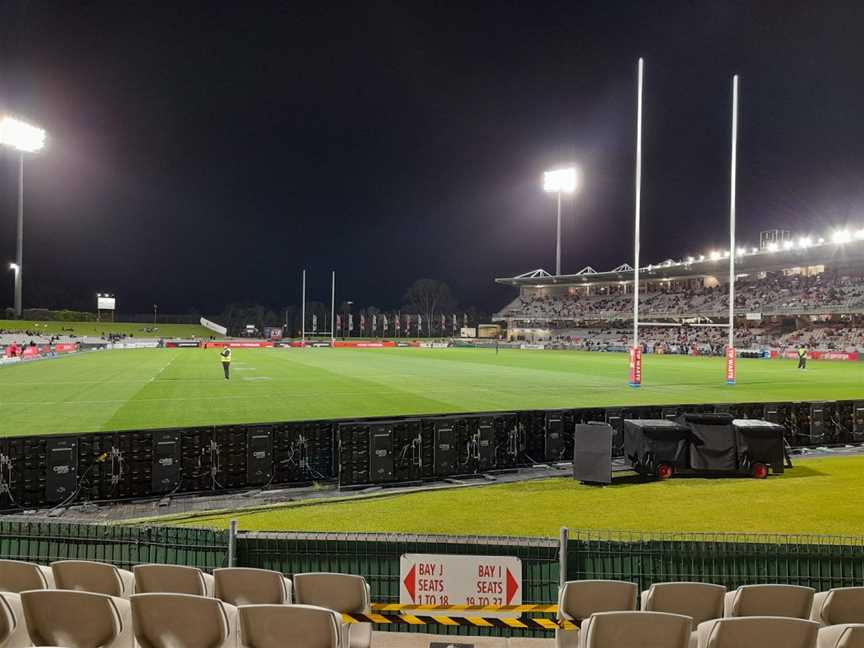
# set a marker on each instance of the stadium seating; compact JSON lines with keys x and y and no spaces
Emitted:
{"x":636,"y":630}
{"x":18,"y":576}
{"x":174,"y":579}
{"x":840,"y":605}
{"x":699,"y":601}
{"x":770,"y":600}
{"x":578,"y":600}
{"x":339,"y":592}
{"x":757,"y":631}
{"x":77,"y":619}
{"x":280,"y":626}
{"x":847,"y":635}
{"x":244,"y":586}
{"x":87,"y":576}
{"x":13,"y":628}
{"x":183,"y":621}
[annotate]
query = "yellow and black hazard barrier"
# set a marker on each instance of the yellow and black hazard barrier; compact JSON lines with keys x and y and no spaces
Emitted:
{"x":527,"y":623}
{"x":521,"y":609}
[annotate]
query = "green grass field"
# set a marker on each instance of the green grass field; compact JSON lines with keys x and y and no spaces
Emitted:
{"x":818,"y":496}
{"x":96,"y":329}
{"x":144,"y":388}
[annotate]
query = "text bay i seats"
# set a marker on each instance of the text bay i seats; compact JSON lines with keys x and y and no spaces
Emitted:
{"x":183,"y":621}
{"x":96,"y":577}
{"x":838,"y":605}
{"x":635,"y":630}
{"x":845,"y":635}
{"x":343,"y":594}
{"x":758,"y":632}
{"x":174,"y":579}
{"x":19,"y":576}
{"x":770,"y":600}
{"x":283,"y":626}
{"x":13,"y":628}
{"x":75,"y":619}
{"x":246,"y":586}
{"x":578,"y":600}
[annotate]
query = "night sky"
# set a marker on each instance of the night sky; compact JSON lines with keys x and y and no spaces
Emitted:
{"x":202,"y":154}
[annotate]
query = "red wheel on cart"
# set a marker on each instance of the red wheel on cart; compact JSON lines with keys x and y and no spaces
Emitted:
{"x":664,"y":471}
{"x":760,"y":471}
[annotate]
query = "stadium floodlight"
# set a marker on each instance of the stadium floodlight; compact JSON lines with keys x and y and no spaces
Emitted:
{"x":841,"y":236}
{"x":715,"y":255}
{"x":25,"y":138}
{"x":859,"y":234}
{"x":821,"y":241}
{"x":788,"y":245}
{"x":690,"y":259}
{"x":805,"y":242}
{"x":741,"y":251}
{"x":701,"y":257}
{"x":13,"y":266}
{"x":755,"y":250}
{"x":559,"y":181}
{"x":773,"y":247}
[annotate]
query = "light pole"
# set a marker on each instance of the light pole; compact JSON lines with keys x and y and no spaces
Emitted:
{"x":559,"y":181}
{"x":25,"y":139}
{"x":155,"y":310}
{"x":14,"y":268}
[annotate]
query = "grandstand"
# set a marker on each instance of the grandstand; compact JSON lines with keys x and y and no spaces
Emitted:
{"x":805,"y":292}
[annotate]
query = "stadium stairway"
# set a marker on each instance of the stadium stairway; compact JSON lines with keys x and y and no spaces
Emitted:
{"x":417,"y":640}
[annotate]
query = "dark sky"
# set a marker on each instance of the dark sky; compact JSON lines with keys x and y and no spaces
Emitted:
{"x":203,"y":153}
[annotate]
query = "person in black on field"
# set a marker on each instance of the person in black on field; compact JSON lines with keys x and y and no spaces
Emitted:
{"x":802,"y":358}
{"x":226,"y":362}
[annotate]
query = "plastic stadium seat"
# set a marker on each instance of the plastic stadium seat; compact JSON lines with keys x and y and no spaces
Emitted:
{"x":759,"y":632}
{"x":635,"y":630}
{"x":172,"y":579}
{"x":839,"y":605}
{"x":13,"y":628}
{"x":278,"y":626}
{"x":770,"y":600}
{"x":699,"y":601}
{"x":341,"y":593}
{"x":578,"y":600}
{"x":77,"y":619}
{"x":246,"y":586}
{"x":18,"y":576}
{"x":96,"y":577}
{"x":845,"y":635}
{"x":183,"y":621}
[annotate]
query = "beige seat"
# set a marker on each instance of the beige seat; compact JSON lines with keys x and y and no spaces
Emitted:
{"x":635,"y":630}
{"x":758,"y":632}
{"x":77,"y":619}
{"x":243,"y":586}
{"x":839,"y":605}
{"x":845,"y":635}
{"x":183,"y":621}
{"x":19,"y":576}
{"x":342,"y":593}
{"x":770,"y":600}
{"x":13,"y":627}
{"x":172,"y":579}
{"x":96,"y":577}
{"x":699,"y":601}
{"x":578,"y":600}
{"x":278,"y":626}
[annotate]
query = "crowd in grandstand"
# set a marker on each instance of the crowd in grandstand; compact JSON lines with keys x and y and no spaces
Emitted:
{"x":775,"y":293}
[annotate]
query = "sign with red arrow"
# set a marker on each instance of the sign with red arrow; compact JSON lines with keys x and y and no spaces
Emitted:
{"x":444,"y":580}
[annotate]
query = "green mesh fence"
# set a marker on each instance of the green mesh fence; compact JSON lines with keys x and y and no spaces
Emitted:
{"x":124,"y":546}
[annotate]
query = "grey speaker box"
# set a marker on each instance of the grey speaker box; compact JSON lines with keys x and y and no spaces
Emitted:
{"x":592,"y":453}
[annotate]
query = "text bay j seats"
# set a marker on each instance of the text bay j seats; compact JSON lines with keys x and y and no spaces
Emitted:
{"x":75,"y":619}
{"x":247,"y":586}
{"x":183,"y":621}
{"x":174,"y":579}
{"x":19,"y":576}
{"x":343,"y":594}
{"x":96,"y":577}
{"x":279,"y":626}
{"x":578,"y":600}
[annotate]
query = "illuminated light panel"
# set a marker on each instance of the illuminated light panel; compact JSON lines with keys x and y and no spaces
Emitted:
{"x":560,"y":180}
{"x":21,"y":135}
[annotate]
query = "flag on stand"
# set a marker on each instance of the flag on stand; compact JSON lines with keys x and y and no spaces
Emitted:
{"x":350,"y":323}
{"x":443,"y":323}
{"x":362,"y":323}
{"x":339,"y":323}
{"x":314,"y":323}
{"x":384,"y":324}
{"x":374,"y":324}
{"x":396,"y":323}
{"x":455,"y":324}
{"x":419,"y":324}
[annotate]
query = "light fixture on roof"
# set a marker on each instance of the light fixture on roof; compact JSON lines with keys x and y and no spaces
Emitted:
{"x":741,"y":251}
{"x":821,"y":241}
{"x":755,"y":250}
{"x":805,"y":242}
{"x":690,"y":259}
{"x":715,"y":255}
{"x":773,"y":247}
{"x":788,"y":245}
{"x":859,"y":234}
{"x":701,"y":257}
{"x":841,"y":236}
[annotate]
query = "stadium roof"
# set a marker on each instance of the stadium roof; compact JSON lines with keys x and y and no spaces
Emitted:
{"x":841,"y":253}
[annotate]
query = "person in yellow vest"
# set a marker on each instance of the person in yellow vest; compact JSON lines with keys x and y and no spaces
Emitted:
{"x":802,"y":358}
{"x":226,"y":362}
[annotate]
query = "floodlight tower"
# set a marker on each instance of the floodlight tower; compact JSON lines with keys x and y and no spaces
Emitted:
{"x":24,"y":138}
{"x":559,"y":181}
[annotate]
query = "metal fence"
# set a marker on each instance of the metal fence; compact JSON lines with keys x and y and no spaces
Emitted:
{"x":376,"y":557}
{"x":124,"y":546}
{"x":821,"y":562}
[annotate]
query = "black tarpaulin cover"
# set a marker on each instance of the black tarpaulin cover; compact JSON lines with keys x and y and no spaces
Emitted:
{"x":666,"y":441}
{"x":761,"y":442}
{"x":714,"y":445}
